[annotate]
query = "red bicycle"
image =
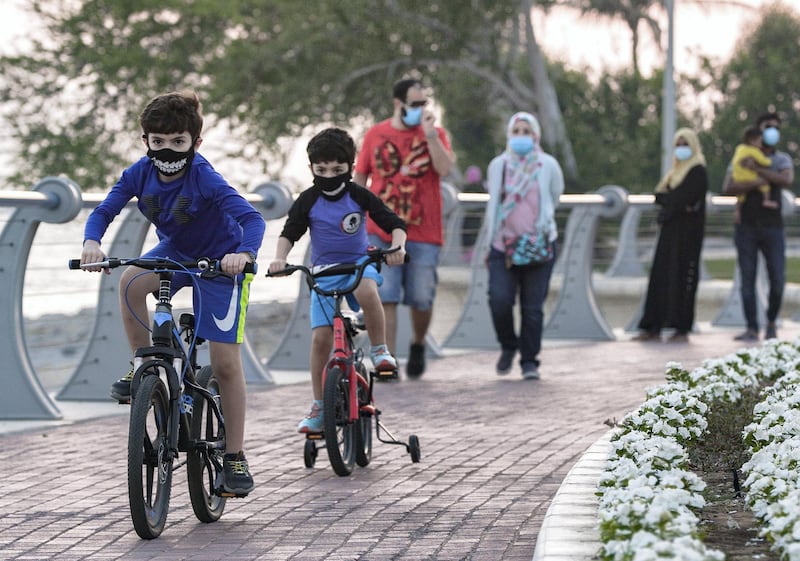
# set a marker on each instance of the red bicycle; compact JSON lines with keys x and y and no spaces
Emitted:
{"x":348,"y":396}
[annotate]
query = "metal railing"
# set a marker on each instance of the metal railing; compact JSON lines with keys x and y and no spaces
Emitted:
{"x":609,"y":230}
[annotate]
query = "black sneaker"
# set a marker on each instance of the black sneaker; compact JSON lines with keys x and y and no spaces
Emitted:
{"x":121,"y":389}
{"x":416,"y":360}
{"x":504,"y":362}
{"x":771,"y":332}
{"x":749,"y":335}
{"x":236,"y":478}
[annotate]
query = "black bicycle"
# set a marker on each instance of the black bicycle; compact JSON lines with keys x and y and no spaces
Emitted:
{"x":175,"y":406}
{"x":348,"y":397}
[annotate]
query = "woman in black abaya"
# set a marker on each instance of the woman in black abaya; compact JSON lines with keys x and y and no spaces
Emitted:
{"x":681,"y":194}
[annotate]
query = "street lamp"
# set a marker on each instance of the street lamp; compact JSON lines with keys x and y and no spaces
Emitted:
{"x":668,"y":96}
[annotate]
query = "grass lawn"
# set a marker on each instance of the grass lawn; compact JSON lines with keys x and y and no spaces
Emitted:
{"x":723,"y":269}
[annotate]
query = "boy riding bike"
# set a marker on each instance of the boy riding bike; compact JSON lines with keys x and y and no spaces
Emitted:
{"x":196,"y":214}
{"x":335,"y":209}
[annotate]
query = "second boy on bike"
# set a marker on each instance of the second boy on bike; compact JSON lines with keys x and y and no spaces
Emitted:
{"x":335,"y":210}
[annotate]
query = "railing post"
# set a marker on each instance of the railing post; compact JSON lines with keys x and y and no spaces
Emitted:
{"x":292,"y":352}
{"x":107,"y":355}
{"x":626,"y":260}
{"x":23,"y":396}
{"x":474,"y":329}
{"x":576,"y":315}
{"x":452,"y":217}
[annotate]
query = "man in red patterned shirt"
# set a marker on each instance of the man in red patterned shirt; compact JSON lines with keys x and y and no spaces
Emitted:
{"x":405,"y":158}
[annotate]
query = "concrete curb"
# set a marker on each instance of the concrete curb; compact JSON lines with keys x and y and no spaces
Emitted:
{"x":569,"y":530}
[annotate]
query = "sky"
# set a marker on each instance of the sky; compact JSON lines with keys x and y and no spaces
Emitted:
{"x":563,"y":35}
{"x":711,"y":31}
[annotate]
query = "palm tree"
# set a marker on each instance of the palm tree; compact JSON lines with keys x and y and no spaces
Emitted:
{"x":632,"y":12}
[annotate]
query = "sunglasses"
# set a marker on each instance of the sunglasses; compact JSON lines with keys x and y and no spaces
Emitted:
{"x":416,"y":104}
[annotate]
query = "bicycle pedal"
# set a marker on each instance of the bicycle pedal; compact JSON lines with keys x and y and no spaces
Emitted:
{"x":229,"y":495}
{"x":386,"y":375}
{"x":315,"y":435}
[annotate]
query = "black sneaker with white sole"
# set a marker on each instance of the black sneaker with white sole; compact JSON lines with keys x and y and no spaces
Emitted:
{"x":121,"y":389}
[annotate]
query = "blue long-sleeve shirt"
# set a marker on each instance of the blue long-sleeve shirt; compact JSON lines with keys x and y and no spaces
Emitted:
{"x":199,"y":213}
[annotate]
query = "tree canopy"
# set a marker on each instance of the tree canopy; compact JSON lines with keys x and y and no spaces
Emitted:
{"x":762,"y":76}
{"x":271,"y":71}
{"x":267,"y":70}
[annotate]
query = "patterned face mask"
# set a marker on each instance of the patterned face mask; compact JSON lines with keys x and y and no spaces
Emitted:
{"x":168,"y":161}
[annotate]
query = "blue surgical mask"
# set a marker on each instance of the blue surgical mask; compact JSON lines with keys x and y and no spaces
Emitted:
{"x":683,"y":153}
{"x":771,"y":136}
{"x":412,"y":116}
{"x":521,"y":145}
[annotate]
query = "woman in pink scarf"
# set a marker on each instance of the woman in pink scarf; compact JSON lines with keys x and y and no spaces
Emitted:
{"x":524,"y":185}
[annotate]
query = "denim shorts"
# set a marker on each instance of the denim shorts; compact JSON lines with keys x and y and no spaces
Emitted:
{"x":413,"y":284}
{"x":322,"y":306}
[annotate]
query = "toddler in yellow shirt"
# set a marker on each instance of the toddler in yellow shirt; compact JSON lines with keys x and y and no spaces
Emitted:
{"x":751,"y":148}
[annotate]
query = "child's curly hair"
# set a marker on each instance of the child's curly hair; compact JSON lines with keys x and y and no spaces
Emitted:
{"x":332,"y":145}
{"x":172,"y":113}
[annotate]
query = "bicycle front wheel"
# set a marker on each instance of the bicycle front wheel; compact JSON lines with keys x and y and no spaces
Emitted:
{"x":204,"y":464}
{"x":340,"y":435}
{"x":149,"y":457}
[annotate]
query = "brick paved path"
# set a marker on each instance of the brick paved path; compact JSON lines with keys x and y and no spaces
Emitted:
{"x":494,"y":451}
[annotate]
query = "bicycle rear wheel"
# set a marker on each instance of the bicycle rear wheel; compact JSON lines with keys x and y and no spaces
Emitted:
{"x":364,"y":425}
{"x":204,"y":466}
{"x":340,"y":433}
{"x":149,"y":457}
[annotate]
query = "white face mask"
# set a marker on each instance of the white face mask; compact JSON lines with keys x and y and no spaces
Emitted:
{"x":683,"y":153}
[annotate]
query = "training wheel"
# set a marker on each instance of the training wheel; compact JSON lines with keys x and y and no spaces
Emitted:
{"x":310,"y":453}
{"x":413,"y":448}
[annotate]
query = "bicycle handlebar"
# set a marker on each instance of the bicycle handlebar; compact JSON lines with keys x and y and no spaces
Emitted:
{"x":375,"y":255}
{"x":205,"y":264}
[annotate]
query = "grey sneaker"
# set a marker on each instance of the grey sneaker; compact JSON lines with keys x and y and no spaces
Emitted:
{"x":530,"y":371}
{"x":504,"y":362}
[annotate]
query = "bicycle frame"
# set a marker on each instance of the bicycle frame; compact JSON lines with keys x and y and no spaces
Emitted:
{"x":345,"y":356}
{"x":179,"y":365}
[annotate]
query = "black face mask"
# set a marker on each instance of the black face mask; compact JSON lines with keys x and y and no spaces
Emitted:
{"x":169,"y":162}
{"x":331,"y":186}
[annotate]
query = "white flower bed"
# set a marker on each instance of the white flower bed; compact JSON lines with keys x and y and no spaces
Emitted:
{"x":773,"y":471}
{"x":648,"y":497}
